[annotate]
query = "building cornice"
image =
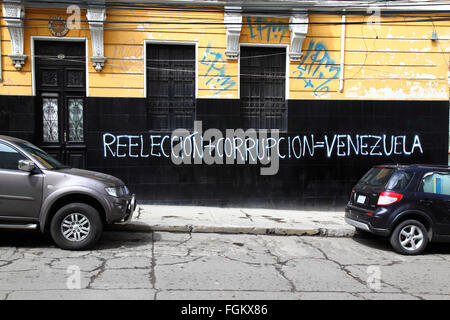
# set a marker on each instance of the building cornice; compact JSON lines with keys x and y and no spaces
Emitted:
{"x":272,"y":5}
{"x":13,"y":13}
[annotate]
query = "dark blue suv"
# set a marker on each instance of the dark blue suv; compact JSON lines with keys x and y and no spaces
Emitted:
{"x":410,"y":204}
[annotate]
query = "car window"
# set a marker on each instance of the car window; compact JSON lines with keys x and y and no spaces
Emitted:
{"x":399,"y":180}
{"x":378,"y":176}
{"x":436,"y":182}
{"x":43,"y":157}
{"x":9,"y":157}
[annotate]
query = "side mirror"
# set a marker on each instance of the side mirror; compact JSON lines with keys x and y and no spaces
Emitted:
{"x":26,"y":165}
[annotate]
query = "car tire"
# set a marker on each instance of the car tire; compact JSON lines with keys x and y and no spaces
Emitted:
{"x":76,"y":226}
{"x":410,"y":237}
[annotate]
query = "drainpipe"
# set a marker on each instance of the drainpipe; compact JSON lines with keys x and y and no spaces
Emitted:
{"x":341,"y":68}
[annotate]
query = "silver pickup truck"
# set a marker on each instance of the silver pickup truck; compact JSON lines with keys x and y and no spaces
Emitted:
{"x":38,"y":192}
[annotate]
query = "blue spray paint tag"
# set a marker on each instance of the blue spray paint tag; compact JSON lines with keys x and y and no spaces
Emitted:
{"x":438,"y":185}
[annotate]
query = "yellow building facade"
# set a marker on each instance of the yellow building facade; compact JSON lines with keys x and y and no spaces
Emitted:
{"x":341,"y":89}
{"x":390,"y":58}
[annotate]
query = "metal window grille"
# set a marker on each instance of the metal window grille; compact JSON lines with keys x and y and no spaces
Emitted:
{"x":263,"y":84}
{"x":170,"y":86}
{"x":76,"y":126}
{"x":50,"y":119}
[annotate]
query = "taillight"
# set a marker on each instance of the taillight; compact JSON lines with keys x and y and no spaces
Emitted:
{"x":388,"y":197}
{"x":351,"y":194}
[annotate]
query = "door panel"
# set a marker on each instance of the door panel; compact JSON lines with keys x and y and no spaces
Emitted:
{"x":434,"y":196}
{"x":75,"y":149}
{"x":61,"y":88}
{"x":20,"y":192}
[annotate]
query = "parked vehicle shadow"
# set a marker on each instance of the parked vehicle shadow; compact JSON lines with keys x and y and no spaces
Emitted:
{"x":373,"y":241}
{"x":381,"y":243}
{"x":25,"y":239}
{"x":438,"y":248}
{"x":109,"y":240}
{"x":123,"y":240}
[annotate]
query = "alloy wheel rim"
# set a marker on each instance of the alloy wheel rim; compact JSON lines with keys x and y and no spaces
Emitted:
{"x":411,"y":237}
{"x":75,"y":227}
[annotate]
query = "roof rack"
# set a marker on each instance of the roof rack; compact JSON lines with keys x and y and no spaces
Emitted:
{"x":416,"y":165}
{"x":427,"y":165}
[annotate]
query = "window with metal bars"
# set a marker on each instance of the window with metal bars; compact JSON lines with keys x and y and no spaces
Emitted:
{"x":263,"y":88}
{"x":170,"y":86}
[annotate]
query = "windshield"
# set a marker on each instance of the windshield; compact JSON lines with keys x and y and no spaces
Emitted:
{"x":377,"y":176}
{"x":43,"y":157}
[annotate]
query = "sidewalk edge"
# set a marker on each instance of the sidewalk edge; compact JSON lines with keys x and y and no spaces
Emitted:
{"x":323,"y":232}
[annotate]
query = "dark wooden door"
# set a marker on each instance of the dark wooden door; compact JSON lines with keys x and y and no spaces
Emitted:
{"x":61,"y":96}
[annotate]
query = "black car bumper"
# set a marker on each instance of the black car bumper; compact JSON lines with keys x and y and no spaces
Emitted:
{"x":359,"y":219}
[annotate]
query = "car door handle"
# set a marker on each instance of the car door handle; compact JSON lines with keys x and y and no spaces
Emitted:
{"x":426,"y":202}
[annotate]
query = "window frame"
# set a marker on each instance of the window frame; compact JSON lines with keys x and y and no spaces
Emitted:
{"x":26,"y":157}
{"x":196,"y":62}
{"x":273,"y":45}
{"x":33,"y":39}
{"x":420,"y":185}
{"x":411,"y":173}
{"x":286,"y":80}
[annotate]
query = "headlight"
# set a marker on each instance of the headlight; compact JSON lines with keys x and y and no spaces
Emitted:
{"x":117,"y":191}
{"x":114,"y":191}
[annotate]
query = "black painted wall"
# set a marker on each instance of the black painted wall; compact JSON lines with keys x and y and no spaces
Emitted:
{"x":310,"y":183}
{"x":317,"y":182}
{"x":17,"y":117}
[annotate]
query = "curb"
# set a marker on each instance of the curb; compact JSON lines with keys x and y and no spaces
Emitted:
{"x":322,"y":232}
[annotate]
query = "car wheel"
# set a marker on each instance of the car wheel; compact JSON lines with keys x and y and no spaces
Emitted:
{"x":76,"y":226}
{"x":410,"y":237}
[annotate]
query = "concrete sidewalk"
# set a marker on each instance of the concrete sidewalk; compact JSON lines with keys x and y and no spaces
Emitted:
{"x":239,"y":221}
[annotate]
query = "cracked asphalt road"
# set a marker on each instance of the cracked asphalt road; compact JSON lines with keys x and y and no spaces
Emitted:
{"x":160,"y":265}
